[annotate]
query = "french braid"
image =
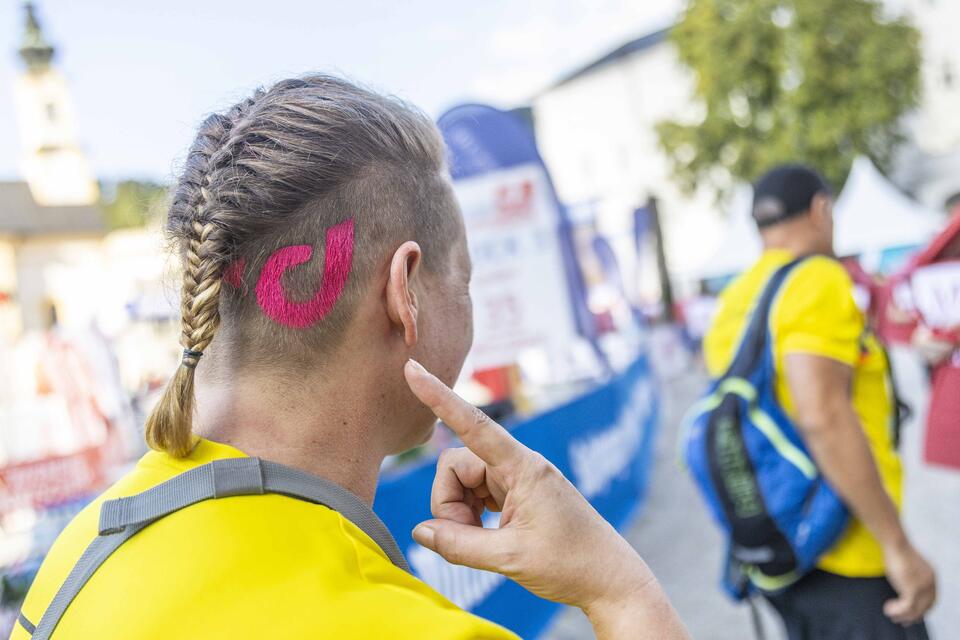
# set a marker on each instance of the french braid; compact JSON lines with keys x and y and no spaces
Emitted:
{"x":170,"y":425}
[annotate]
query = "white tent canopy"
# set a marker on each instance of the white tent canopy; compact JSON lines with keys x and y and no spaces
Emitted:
{"x":871,"y":214}
{"x":740,"y":246}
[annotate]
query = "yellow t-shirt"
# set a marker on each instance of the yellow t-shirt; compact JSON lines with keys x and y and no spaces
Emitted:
{"x":265,"y":566}
{"x":815,"y":313}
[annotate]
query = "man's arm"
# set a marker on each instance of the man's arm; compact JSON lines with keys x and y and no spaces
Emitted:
{"x":831,"y":429}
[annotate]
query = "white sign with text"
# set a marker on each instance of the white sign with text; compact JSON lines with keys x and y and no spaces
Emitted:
{"x":936,"y":294}
{"x":520,"y":294}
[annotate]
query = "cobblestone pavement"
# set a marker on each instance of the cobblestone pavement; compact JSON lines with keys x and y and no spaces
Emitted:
{"x":682,"y":546}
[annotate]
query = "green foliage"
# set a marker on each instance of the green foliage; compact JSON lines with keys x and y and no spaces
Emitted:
{"x":132,"y":203}
{"x":813,"y":81}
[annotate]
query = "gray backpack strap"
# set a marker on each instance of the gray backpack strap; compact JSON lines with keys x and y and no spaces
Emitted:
{"x":93,"y":556}
{"x":122,"y":518}
{"x":242,"y":477}
{"x":26,"y":624}
{"x":218,"y":479}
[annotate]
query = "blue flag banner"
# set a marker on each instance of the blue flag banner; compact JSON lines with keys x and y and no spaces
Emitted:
{"x":519,"y":236}
{"x":641,"y":226}
{"x":607,"y":258}
{"x":602,"y":442}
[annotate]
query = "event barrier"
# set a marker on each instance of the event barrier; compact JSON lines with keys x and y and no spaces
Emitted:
{"x":602,"y":441}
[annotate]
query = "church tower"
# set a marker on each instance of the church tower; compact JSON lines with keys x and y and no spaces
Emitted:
{"x":52,"y":162}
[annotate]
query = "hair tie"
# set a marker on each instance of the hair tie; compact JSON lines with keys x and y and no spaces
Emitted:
{"x":191,"y":358}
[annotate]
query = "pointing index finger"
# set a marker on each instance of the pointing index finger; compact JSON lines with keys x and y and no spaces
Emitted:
{"x":491,"y":442}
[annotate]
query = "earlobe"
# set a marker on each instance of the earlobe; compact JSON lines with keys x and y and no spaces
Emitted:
{"x":402,"y":304}
{"x":821,"y":205}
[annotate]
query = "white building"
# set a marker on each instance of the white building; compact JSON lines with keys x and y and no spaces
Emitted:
{"x":52,"y":162}
{"x":930,"y":168}
{"x":50,"y":223}
{"x":595,"y":129}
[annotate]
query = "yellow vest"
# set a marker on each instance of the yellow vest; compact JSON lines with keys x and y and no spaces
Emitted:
{"x":815,"y":313}
{"x":264,"y":566}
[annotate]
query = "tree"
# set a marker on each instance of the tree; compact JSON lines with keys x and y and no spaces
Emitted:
{"x":132,"y":203}
{"x":813,"y":81}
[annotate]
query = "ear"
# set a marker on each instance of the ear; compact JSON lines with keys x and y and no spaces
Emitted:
{"x":402,"y":303}
{"x":820,"y":207}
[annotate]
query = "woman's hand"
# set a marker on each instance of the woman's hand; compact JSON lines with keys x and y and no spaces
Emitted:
{"x":550,"y":539}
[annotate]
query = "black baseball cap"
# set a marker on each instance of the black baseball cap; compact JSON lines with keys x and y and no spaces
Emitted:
{"x":784,"y":192}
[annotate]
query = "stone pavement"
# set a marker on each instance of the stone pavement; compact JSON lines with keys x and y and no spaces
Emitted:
{"x":680,"y":543}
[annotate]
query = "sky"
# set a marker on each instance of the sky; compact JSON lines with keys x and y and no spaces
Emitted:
{"x":143,"y":74}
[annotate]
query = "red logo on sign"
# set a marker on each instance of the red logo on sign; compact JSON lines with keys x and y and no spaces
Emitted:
{"x":515,"y":201}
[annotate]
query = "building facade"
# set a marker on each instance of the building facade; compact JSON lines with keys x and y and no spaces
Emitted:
{"x":930,"y":166}
{"x":596,"y":131}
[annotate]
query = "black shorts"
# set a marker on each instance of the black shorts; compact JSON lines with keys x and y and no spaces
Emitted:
{"x":825,"y":606}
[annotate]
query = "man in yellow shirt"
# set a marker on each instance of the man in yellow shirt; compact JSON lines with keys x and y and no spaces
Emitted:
{"x":833,"y":380}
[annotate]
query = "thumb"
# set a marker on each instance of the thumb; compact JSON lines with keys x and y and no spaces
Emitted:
{"x":465,"y":544}
{"x":897,"y":608}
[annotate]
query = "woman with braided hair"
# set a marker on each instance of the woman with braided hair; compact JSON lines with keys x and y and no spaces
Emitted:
{"x":323,"y":256}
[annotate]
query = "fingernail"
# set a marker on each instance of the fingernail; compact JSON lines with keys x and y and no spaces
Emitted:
{"x":416,"y":365}
{"x":424,"y":534}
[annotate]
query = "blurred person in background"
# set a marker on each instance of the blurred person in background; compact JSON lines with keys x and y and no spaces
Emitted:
{"x":940,"y":349}
{"x":933,"y":288}
{"x":833,"y":380}
{"x":322,"y":250}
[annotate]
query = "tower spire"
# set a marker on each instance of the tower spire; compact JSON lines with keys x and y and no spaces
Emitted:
{"x":35,"y":51}
{"x":53,"y":162}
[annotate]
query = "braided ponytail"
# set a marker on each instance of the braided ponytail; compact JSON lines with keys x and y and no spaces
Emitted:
{"x":170,"y":425}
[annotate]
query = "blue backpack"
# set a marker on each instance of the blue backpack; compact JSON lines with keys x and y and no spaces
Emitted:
{"x":753,"y":470}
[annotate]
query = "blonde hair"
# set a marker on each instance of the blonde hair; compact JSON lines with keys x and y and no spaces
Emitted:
{"x":279,"y":169}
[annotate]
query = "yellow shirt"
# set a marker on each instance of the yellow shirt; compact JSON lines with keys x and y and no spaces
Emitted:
{"x":815,"y":313}
{"x":264,"y":566}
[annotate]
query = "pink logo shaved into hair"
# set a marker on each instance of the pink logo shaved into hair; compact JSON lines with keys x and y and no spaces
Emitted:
{"x":233,"y":274}
{"x":338,"y":261}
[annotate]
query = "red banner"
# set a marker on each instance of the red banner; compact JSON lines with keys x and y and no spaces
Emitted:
{"x":48,"y":481}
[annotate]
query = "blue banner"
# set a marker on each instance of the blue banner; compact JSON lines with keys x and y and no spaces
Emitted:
{"x":641,"y":226}
{"x":602,"y":441}
{"x":482,"y":140}
{"x":607,"y":258}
